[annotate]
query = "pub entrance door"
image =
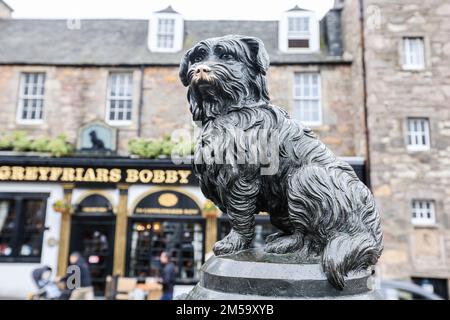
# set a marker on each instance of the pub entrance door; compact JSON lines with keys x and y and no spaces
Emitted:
{"x":93,"y":237}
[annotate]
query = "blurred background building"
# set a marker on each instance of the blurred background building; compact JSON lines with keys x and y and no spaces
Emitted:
{"x":87,"y":104}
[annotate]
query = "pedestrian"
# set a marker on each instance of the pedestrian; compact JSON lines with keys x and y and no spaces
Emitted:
{"x":167,"y":276}
{"x":85,"y":291}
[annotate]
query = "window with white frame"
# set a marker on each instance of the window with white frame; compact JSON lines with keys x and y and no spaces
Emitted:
{"x":307,"y":100}
{"x":413,"y":53}
{"x":418,"y":134}
{"x":120,"y":97}
{"x":298,"y":31}
{"x":166,"y":33}
{"x":422,"y":212}
{"x":31,"y":97}
{"x":298,"y":35}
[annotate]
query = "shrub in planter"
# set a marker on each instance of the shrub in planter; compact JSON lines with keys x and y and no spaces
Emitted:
{"x":40,"y":144}
{"x":154,"y":148}
{"x":144,"y":148}
{"x":6,"y":143}
{"x":20,"y":141}
{"x":59,"y":146}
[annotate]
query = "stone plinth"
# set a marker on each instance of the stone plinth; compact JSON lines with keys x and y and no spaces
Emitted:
{"x":255,"y":275}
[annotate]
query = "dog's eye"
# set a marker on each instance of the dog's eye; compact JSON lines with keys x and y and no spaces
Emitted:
{"x":198,"y":58}
{"x":227,"y":56}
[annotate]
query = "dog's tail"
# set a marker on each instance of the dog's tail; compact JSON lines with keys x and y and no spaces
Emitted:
{"x":345,"y":253}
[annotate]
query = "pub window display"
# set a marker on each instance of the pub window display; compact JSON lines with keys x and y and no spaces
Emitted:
{"x":22,"y":219}
{"x":182,"y":239}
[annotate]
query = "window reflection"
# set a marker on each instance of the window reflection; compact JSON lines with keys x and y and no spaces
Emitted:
{"x":22,"y":219}
{"x":7,"y":226}
{"x":182,"y":240}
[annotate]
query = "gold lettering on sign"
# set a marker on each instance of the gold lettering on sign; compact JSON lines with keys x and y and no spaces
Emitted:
{"x":132,"y":175}
{"x":159,"y":176}
{"x":5,"y":173}
{"x":167,"y":211}
{"x":31,"y":173}
{"x":68,"y":174}
{"x":17,"y":173}
{"x":100,"y":175}
{"x":115,"y":175}
{"x":94,"y":209}
{"x":184,"y":175}
{"x":171,"y":176}
{"x":89,"y":176}
{"x":43,"y":173}
{"x":79,"y":174}
{"x":145,"y":176}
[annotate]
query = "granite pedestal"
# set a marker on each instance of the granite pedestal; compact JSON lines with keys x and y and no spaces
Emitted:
{"x":256,"y":275}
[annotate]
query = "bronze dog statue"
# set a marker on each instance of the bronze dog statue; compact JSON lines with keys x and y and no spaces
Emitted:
{"x":314,"y":199}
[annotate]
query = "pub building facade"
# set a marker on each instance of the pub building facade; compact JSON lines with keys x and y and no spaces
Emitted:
{"x":120,"y":213}
{"x":102,"y":83}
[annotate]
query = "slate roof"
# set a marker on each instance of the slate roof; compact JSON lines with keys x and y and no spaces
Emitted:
{"x":124,"y":42}
{"x":296,"y":8}
{"x":169,"y":9}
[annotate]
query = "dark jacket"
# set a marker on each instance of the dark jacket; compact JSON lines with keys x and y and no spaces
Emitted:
{"x":85,"y":278}
{"x":168,"y":277}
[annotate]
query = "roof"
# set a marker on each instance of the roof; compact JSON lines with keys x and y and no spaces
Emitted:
{"x":6,"y":5}
{"x":169,"y":9}
{"x":124,"y":42}
{"x":296,"y":8}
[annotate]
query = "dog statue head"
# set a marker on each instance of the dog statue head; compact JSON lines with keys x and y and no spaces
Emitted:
{"x":223,"y":74}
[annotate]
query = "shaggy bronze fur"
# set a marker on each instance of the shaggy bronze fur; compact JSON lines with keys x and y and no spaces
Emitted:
{"x":313,"y":198}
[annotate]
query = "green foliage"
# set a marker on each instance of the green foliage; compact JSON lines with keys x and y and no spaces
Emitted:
{"x":19,"y":141}
{"x":59,"y":147}
{"x":5,"y":143}
{"x":40,"y":144}
{"x":154,"y":148}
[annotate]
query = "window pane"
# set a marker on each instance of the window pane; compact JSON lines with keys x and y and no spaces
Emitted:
{"x":298,"y":43}
{"x":7,"y":226}
{"x":413,"y":52}
{"x":30,"y":244}
{"x":150,"y":238}
{"x":120,"y":95}
{"x":423,"y":212}
{"x":166,"y":33}
{"x":307,"y":97}
{"x":418,"y":132}
{"x":31,"y":96}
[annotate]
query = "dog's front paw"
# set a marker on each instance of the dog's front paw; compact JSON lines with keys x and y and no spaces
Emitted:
{"x":285,"y":244}
{"x":232,"y":243}
{"x":272,"y":237}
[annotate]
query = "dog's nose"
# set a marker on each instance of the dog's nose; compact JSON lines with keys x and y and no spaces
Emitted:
{"x":202,"y":69}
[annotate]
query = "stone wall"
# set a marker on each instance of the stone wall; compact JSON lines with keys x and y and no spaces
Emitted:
{"x":76,"y":96}
{"x":399,"y":175}
{"x":338,"y":130}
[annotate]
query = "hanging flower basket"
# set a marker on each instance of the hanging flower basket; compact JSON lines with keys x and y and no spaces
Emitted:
{"x":62,"y":207}
{"x":209,"y":210}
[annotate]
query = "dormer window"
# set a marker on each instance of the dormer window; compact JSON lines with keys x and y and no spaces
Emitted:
{"x":299,"y":31}
{"x":166,"y":31}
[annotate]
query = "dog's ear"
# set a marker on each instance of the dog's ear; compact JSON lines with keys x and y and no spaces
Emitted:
{"x":184,"y":67}
{"x":259,"y":54}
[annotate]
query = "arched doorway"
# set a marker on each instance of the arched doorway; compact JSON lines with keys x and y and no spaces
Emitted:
{"x":92,"y":235}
